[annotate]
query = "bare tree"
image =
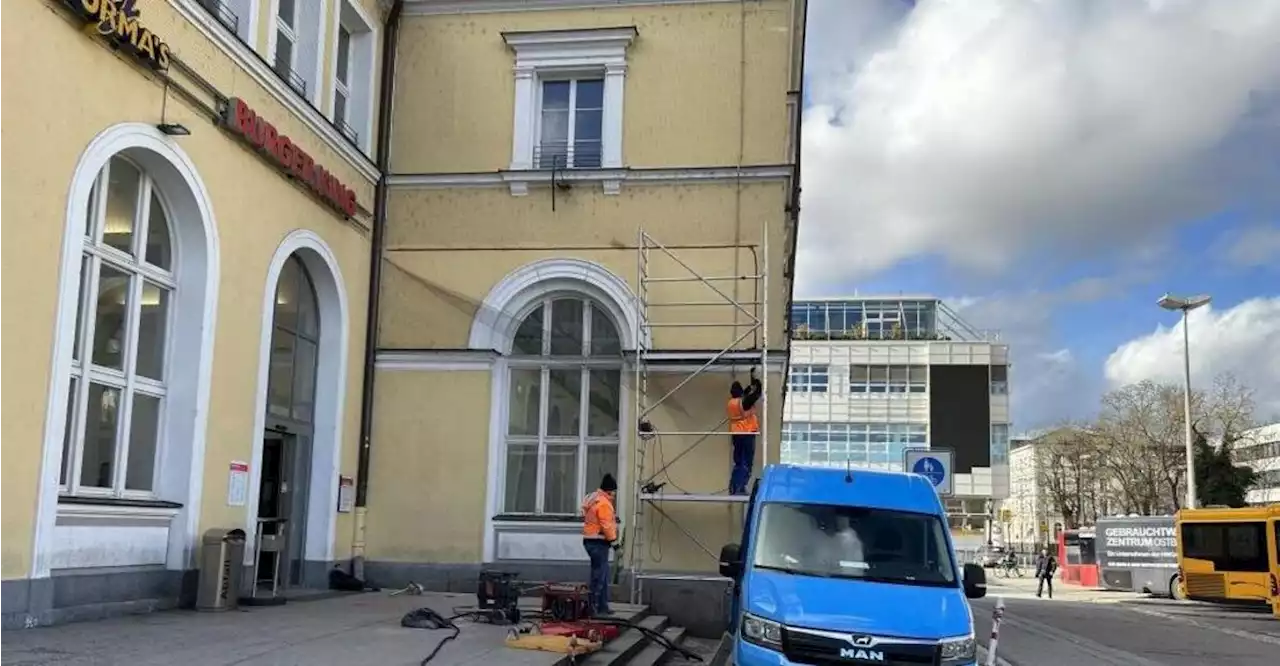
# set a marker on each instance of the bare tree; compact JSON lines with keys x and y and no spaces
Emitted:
{"x":1067,"y":469}
{"x":1227,"y":408}
{"x":1142,"y":438}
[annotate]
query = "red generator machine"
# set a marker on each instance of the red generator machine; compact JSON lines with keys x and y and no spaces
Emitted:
{"x":566,"y":611}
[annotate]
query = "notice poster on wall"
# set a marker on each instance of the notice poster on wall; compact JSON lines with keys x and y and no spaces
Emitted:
{"x":238,"y":483}
{"x":346,"y":494}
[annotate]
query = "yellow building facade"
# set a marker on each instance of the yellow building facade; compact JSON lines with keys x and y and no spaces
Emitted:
{"x":188,"y":189}
{"x":578,"y":189}
{"x":584,"y":219}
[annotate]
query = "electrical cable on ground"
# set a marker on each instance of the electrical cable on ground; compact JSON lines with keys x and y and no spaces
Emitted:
{"x":652,"y":635}
{"x":426,"y":618}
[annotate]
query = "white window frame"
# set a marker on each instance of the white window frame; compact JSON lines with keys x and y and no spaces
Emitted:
{"x":917,"y":380}
{"x":83,"y":372}
{"x":804,"y":378}
{"x":1000,"y":386}
{"x":246,"y":13}
{"x":289,"y":30}
{"x":560,"y":54}
{"x":545,"y":363}
{"x":855,"y":435}
{"x":359,"y":89}
{"x":305,"y":59}
{"x":999,"y":442}
{"x":573,"y":120}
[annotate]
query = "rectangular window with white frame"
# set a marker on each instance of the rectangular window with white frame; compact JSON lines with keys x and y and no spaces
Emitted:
{"x":569,"y":98}
{"x":893,"y":379}
{"x":826,"y":444}
{"x":295,"y":42}
{"x":999,"y":380}
{"x":238,"y":16}
{"x":355,"y":41}
{"x":808,"y":378}
{"x":571,"y":116}
{"x":999,"y":443}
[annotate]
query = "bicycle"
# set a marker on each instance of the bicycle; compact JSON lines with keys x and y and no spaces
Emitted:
{"x":1009,"y":569}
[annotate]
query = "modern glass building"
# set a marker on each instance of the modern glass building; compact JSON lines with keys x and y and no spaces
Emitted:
{"x":872,"y":377}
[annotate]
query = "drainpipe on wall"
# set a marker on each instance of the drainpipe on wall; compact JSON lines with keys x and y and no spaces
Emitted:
{"x":386,"y":92}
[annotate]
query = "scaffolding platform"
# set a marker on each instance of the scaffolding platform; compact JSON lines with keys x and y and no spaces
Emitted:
{"x":745,"y":344}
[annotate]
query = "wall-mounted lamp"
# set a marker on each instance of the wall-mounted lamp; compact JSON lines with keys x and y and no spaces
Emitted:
{"x":168,"y":128}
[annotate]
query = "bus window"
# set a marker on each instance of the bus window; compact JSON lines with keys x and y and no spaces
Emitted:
{"x":1275,"y":529}
{"x":1229,"y":546}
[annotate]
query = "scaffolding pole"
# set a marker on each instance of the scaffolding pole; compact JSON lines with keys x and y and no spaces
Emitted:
{"x":648,"y":496}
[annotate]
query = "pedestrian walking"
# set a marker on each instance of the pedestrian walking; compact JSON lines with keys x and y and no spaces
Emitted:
{"x":1046,"y":566}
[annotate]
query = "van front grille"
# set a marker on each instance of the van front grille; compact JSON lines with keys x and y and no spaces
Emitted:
{"x":825,"y":649}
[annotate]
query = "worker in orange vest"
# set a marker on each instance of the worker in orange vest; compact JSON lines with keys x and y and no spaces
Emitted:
{"x":599,"y":535}
{"x":743,"y":428}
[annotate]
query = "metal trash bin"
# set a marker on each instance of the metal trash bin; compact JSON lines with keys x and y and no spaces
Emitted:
{"x":221,"y":565}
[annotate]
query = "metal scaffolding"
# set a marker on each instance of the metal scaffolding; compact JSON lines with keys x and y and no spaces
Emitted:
{"x":649,"y":495}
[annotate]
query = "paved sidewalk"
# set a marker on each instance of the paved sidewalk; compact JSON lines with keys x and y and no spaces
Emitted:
{"x":356,"y":629}
{"x":1025,"y":588}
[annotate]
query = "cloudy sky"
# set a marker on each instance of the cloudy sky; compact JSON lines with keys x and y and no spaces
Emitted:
{"x":1050,"y":168}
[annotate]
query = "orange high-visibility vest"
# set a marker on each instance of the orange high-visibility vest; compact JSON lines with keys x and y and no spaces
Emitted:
{"x":742,"y":421}
{"x":598,"y":518}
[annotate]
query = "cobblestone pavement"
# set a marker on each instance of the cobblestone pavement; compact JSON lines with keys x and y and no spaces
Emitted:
{"x":358,"y":629}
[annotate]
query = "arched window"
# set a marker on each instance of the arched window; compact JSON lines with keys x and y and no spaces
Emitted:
{"x":119,"y":358}
{"x":564,"y":406}
{"x":295,"y":337}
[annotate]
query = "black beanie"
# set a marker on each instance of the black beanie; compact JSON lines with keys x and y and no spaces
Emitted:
{"x":607,"y":484}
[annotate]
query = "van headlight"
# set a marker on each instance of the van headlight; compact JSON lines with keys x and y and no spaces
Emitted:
{"x":762,"y":632}
{"x":961,"y":650}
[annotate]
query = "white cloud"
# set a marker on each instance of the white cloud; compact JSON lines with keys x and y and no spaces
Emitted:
{"x":1243,"y":340}
{"x":981,"y":130}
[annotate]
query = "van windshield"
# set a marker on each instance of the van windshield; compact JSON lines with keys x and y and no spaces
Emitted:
{"x":877,"y":545}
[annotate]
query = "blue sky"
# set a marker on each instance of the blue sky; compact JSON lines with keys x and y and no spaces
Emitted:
{"x":1018,"y":160}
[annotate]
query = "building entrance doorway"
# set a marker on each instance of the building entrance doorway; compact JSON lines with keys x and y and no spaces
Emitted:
{"x":282,"y":509}
{"x":287,"y":452}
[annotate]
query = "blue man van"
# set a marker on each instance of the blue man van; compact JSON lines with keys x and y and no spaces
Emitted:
{"x":849,"y":567}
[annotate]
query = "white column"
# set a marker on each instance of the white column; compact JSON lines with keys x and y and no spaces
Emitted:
{"x":522,"y":145}
{"x":614,"y":77}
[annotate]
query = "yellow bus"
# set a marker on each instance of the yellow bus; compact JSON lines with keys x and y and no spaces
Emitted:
{"x":1230,"y":554}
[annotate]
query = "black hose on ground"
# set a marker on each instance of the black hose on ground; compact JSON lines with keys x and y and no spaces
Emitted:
{"x":653,"y":635}
{"x":426,"y":618}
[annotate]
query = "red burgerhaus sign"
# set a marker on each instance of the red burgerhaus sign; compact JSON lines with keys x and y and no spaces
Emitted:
{"x":241,"y":119}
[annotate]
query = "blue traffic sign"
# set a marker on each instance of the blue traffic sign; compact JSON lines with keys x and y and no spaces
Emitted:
{"x":932,"y":469}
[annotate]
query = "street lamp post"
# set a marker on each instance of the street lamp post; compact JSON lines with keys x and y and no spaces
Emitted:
{"x":1186,"y":305}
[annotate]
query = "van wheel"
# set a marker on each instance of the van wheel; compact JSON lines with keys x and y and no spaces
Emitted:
{"x":1175,"y":590}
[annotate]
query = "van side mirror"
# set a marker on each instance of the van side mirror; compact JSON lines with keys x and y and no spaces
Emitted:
{"x":975,"y":581}
{"x":731,"y":561}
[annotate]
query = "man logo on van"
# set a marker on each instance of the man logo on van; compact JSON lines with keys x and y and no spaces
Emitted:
{"x":862,"y":655}
{"x":860,"y":650}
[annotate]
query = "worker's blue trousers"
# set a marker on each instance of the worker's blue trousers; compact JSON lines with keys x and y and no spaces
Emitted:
{"x":744,"y":456}
{"x":598,"y":551}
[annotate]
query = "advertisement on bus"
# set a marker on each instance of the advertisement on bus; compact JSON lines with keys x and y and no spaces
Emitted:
{"x":1137,"y":554}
